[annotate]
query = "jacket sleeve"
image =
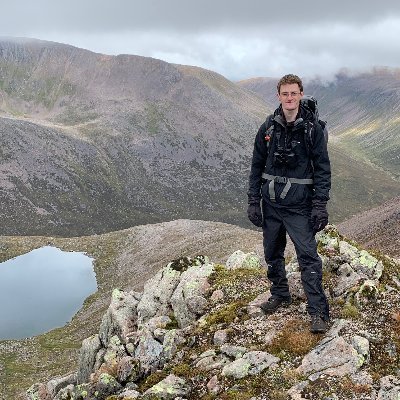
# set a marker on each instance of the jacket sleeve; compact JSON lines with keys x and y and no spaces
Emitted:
{"x":257,"y":166}
{"x":321,"y":165}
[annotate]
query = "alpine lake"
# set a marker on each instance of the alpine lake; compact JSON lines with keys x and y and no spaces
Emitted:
{"x":42,"y":290}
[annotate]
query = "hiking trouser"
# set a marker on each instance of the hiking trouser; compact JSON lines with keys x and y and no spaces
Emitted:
{"x":297,"y":223}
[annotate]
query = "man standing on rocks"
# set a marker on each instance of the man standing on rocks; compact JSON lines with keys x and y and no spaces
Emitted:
{"x":291,"y":178}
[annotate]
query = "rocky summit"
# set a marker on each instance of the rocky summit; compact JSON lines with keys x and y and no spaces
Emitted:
{"x":196,"y":330}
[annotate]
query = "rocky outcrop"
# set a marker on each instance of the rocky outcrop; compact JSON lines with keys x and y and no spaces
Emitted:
{"x":190,"y":332}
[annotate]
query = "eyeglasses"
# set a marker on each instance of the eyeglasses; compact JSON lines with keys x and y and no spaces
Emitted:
{"x":287,"y":94}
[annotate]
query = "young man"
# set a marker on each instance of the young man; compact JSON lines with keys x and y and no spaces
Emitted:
{"x":291,"y":176}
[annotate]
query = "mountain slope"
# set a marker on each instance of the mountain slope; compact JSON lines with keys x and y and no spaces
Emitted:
{"x":378,"y":228}
{"x":136,"y":140}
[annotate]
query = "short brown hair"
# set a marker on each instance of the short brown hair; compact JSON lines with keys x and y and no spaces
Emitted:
{"x":289,"y":79}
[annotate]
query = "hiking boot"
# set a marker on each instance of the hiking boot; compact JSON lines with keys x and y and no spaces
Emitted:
{"x":273,"y":303}
{"x":318,"y":325}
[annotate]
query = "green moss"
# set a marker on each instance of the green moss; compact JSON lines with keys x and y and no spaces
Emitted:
{"x":350,"y":311}
{"x":152,"y":380}
{"x":183,"y":370}
{"x":226,"y":314}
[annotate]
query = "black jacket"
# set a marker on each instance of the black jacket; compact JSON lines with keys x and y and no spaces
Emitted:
{"x":312,"y":161}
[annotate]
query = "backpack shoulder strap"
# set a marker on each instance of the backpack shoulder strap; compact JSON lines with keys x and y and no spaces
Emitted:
{"x":269,"y":131}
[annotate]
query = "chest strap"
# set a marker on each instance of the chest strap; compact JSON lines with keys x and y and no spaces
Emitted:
{"x":283,"y":179}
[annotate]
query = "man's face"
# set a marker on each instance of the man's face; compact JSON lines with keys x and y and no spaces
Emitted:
{"x":290,"y":96}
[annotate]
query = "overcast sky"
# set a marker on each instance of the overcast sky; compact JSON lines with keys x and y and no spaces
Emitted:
{"x":239,"y":39}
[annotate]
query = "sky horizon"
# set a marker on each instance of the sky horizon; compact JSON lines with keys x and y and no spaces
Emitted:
{"x":237,"y":40}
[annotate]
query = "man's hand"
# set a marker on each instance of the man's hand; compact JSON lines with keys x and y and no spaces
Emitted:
{"x":254,"y":213}
{"x":319,"y":215}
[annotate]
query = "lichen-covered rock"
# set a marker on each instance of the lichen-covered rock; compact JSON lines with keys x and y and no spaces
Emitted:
{"x":65,"y":393}
{"x":169,"y":388}
{"x":106,"y":386}
{"x":172,"y":340}
{"x":250,"y":363}
{"x":368,"y":265}
{"x":347,"y":279}
{"x":159,"y":322}
{"x":115,"y":350}
{"x":38,"y":391}
{"x":214,"y":386}
{"x":333,"y":356}
{"x":295,"y":285}
{"x":56,"y":384}
{"x":192,"y":287}
{"x":239,"y":259}
{"x":221,"y":337}
{"x":361,"y":345}
{"x":210,"y":360}
{"x":233,"y":351}
{"x":129,"y":394}
{"x":87,"y":358}
{"x":128,"y":370}
{"x":148,"y":351}
{"x":121,"y":317}
{"x":347,"y":250}
{"x":390,"y":388}
{"x":367,"y":293}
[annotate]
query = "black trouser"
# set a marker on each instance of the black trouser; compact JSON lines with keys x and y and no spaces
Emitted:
{"x":297,"y":223}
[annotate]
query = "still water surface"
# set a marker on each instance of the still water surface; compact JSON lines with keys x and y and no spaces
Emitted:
{"x":42,"y":290}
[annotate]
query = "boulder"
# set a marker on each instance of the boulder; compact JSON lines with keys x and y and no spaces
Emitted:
{"x":333,"y":356}
{"x":239,"y":259}
{"x":148,"y":351}
{"x":121,"y":317}
{"x":56,"y":384}
{"x":169,"y":388}
{"x":250,"y":363}
{"x":389,"y":388}
{"x":128,"y":370}
{"x":87,"y":358}
{"x":347,"y":279}
{"x":188,"y":300}
{"x":38,"y":391}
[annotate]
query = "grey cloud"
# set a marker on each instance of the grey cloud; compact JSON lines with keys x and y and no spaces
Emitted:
{"x":187,"y":16}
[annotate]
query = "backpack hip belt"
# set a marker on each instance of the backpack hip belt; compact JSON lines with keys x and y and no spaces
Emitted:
{"x":283,"y":179}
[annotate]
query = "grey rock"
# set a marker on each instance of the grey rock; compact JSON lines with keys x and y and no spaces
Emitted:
{"x":217,"y":296}
{"x":362,"y":378}
{"x":169,"y":388}
{"x":172,"y":340}
{"x":361,"y":344}
{"x":295,"y":285}
{"x":159,"y":322}
{"x":367,"y":293}
{"x":239,"y":259}
{"x":211,"y":363}
{"x":121,"y":317}
{"x":128,"y":370}
{"x":295,"y":391}
{"x":333,"y":356}
{"x":129,"y":394}
{"x":389,"y":388}
{"x":115,"y":350}
{"x":87,"y":358}
{"x":251,"y":363}
{"x":347,"y":279}
{"x":192,"y":286}
{"x":348,"y":250}
{"x":106,"y":385}
{"x":56,"y":384}
{"x":65,"y":393}
{"x":157,"y":292}
{"x":221,"y":337}
{"x":38,"y":391}
{"x":148,"y":351}
{"x":233,"y":351}
{"x":214,"y":386}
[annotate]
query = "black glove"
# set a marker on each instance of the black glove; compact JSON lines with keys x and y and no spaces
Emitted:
{"x":254,"y":213}
{"x":319,"y":215}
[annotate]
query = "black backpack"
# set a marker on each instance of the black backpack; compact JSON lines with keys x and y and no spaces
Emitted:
{"x":311,"y":104}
